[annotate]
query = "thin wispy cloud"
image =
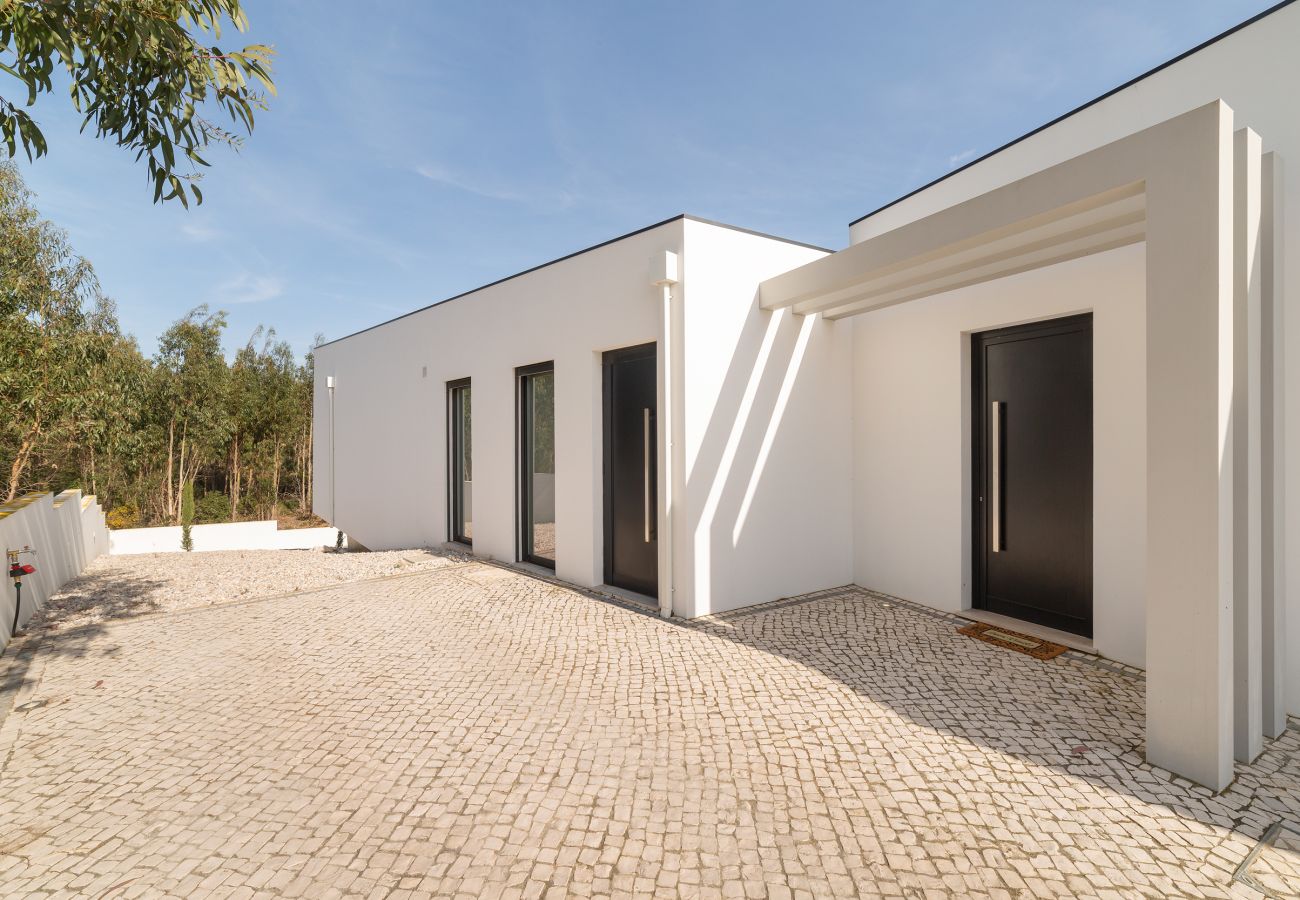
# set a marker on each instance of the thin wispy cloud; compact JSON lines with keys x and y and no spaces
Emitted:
{"x":542,"y":197}
{"x":200,"y":234}
{"x":317,"y":209}
{"x":958,"y":158}
{"x":248,"y":288}
{"x":439,"y":175}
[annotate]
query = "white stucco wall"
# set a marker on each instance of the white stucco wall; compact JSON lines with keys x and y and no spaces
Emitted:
{"x":766,"y":432}
{"x":1255,"y":72}
{"x":390,"y":428}
{"x":762,"y":403}
{"x":911,"y":444}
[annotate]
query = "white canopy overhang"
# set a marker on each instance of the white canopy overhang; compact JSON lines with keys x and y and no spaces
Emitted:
{"x":1191,"y":190}
{"x":894,"y":268}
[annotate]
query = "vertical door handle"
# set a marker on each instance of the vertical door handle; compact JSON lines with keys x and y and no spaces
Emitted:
{"x":645,"y":474}
{"x":996,"y":478}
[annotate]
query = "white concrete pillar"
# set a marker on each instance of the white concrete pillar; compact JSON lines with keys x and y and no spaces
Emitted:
{"x":1190,"y":314}
{"x":1273,"y":452}
{"x":1248,"y":709}
{"x":578,"y":502}
{"x":493,"y":455}
{"x":666,"y":277}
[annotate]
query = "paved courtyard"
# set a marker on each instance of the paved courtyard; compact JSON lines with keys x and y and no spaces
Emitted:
{"x":474,"y":732}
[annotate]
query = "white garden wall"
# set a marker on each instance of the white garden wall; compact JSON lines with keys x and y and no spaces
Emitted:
{"x":66,"y":531}
{"x":263,"y":535}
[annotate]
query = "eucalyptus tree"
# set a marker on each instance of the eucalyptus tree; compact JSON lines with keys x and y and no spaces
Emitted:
{"x":264,"y":410}
{"x":281,"y":374}
{"x":242,"y":415}
{"x":46,"y":356}
{"x":145,"y":74}
{"x":191,"y":379}
{"x":120,"y":451}
{"x":84,"y":408}
{"x":305,"y":401}
{"x":103,"y":420}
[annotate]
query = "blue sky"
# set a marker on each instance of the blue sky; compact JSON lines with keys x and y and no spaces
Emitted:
{"x":425,"y":148}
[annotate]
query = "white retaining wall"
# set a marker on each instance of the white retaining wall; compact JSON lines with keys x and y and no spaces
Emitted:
{"x":263,"y":535}
{"x":66,"y":531}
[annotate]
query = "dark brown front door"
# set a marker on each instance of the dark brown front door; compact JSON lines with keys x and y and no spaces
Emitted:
{"x":1032,"y":443}
{"x":631,"y":504}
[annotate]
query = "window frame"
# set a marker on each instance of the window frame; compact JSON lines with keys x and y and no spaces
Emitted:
{"x":524,"y":461}
{"x":455,"y":462}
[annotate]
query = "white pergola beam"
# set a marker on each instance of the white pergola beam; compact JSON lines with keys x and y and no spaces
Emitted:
{"x":1026,"y":259}
{"x":964,"y":228}
{"x":1096,"y":224}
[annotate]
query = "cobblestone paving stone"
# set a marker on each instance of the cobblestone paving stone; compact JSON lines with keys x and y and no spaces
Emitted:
{"x":472,"y":732}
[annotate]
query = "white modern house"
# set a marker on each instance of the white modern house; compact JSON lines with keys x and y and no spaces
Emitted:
{"x":1060,"y":385}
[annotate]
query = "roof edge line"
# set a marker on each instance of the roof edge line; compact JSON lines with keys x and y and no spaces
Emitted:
{"x":491,"y":284}
{"x":559,"y":259}
{"x":763,"y":234}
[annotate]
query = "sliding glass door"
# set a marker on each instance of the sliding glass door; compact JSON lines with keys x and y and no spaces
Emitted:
{"x":536,"y":390}
{"x":459,"y":466}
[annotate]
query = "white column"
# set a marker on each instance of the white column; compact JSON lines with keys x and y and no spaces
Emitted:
{"x":667,"y":277}
{"x":1190,"y":548}
{"x":1248,"y":709}
{"x":1273,"y":452}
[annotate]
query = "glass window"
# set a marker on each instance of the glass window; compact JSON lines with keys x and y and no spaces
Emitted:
{"x":537,"y":464}
{"x":461,"y":462}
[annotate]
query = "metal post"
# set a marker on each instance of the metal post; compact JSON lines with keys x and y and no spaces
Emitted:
{"x":18,"y":605}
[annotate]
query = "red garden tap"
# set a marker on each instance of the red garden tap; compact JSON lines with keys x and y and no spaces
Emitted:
{"x":17,"y":570}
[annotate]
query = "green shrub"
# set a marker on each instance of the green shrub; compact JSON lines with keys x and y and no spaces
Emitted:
{"x":124,"y":516}
{"x":212,"y":507}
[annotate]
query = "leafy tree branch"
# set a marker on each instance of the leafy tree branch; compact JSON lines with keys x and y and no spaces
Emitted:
{"x":142,"y":73}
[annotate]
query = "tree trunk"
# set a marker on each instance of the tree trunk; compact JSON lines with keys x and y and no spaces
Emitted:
{"x":234,"y":479}
{"x":20,"y":464}
{"x":185,"y":429}
{"x":275,"y":479}
{"x":302,"y":472}
{"x":171,"y":448}
{"x":309,"y":454}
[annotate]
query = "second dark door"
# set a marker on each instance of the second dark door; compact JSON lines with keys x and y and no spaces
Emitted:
{"x":1032,"y":441}
{"x":631,"y":495}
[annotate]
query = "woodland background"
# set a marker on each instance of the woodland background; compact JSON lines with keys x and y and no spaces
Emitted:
{"x":81,"y":406}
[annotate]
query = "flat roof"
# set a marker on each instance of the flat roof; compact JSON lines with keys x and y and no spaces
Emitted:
{"x":1078,"y":109}
{"x":622,"y":237}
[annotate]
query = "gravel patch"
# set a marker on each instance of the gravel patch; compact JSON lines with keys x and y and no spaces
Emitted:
{"x":123,"y":587}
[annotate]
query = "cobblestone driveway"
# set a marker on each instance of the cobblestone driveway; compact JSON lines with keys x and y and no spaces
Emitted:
{"x":478,"y":733}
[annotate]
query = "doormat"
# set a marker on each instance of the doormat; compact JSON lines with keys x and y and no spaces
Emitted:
{"x":1011,"y":640}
